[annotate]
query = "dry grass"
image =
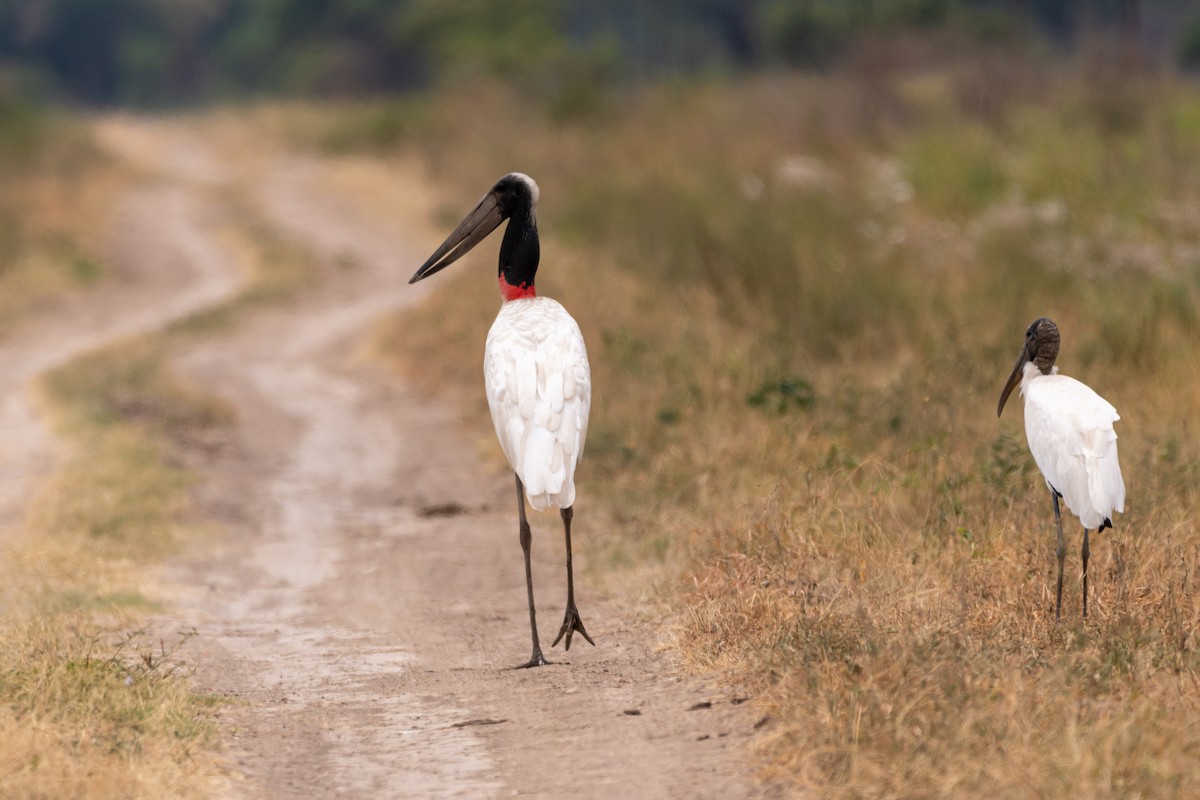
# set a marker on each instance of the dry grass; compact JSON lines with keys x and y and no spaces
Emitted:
{"x":801,"y":302}
{"x":94,"y":715}
{"x":51,"y":206}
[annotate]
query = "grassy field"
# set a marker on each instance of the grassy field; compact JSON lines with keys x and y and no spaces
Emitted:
{"x":802,"y":297}
{"x":94,"y":703}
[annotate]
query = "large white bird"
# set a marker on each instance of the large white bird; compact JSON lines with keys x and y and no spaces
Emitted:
{"x":1071,"y":436}
{"x":535,"y":369}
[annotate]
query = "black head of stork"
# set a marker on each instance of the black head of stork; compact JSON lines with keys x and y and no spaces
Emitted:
{"x":513,"y":198}
{"x":1041,"y":347}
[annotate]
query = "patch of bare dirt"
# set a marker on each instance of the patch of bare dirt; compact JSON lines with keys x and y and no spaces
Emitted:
{"x":369,"y":597}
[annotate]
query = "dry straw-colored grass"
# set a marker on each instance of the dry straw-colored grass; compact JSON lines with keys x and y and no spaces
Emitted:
{"x":801,"y":298}
{"x":51,"y":206}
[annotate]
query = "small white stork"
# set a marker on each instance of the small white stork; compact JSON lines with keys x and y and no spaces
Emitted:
{"x":1071,"y":436}
{"x":535,"y":371}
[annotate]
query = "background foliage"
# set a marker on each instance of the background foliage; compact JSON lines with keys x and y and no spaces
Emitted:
{"x":168,"y":52}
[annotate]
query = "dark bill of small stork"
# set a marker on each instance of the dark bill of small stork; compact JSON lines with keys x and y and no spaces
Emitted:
{"x":536,"y":375}
{"x":1071,"y":436}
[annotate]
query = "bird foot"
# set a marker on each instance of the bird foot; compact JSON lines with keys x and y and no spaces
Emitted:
{"x":536,"y":660}
{"x":571,"y":623}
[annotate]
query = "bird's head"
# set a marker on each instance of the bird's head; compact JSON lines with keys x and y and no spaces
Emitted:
{"x":1040,"y":348}
{"x":514,"y":197}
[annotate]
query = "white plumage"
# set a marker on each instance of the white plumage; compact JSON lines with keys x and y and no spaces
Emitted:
{"x":1071,"y":436}
{"x":539,"y":391}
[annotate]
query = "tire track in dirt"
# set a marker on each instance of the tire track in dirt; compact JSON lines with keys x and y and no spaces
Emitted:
{"x":174,"y":271}
{"x":365,"y":638}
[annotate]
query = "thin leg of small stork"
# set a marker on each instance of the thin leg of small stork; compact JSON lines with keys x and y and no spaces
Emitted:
{"x":537,"y":659}
{"x":1061,"y":552}
{"x":1084,"y":553}
{"x":571,"y":620}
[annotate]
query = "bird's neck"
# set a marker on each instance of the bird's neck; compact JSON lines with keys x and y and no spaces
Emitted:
{"x":510,"y":292}
{"x":1032,"y":372}
{"x":519,"y":255}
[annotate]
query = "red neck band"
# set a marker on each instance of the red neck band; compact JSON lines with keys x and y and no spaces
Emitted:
{"x":510,"y":292}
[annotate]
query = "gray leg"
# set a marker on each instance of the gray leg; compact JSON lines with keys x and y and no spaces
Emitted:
{"x":1061,"y":552}
{"x":571,"y":620}
{"x":1084,"y":552}
{"x":535,"y":660}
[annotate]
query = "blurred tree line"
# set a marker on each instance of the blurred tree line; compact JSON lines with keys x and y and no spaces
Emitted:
{"x":168,"y":52}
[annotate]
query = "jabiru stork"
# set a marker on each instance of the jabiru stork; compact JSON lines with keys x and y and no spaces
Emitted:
{"x":536,"y":375}
{"x":1071,"y":436}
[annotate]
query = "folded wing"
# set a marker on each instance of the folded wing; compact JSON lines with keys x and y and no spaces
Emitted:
{"x":539,"y":392}
{"x":1071,"y":436}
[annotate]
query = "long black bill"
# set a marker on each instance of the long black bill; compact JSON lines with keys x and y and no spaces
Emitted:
{"x":1015,"y":377}
{"x":471,"y":231}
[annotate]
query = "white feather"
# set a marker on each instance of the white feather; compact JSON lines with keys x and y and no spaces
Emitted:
{"x":538,"y":385}
{"x":1071,"y":436}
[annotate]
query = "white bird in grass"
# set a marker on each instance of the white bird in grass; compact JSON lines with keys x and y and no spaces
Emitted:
{"x":535,"y":370}
{"x":1071,"y":436}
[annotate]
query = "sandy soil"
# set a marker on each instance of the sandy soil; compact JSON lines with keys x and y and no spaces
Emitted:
{"x":368,"y":597}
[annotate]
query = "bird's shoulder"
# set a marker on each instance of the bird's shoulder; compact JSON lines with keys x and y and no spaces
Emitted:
{"x":536,"y":324}
{"x":535,"y":353}
{"x":1070,"y":402}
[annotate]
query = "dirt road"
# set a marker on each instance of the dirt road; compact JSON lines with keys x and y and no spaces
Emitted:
{"x":163,"y":269}
{"x":368,"y":595}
